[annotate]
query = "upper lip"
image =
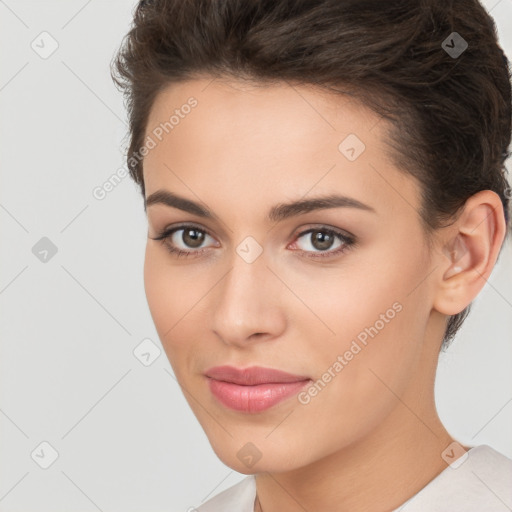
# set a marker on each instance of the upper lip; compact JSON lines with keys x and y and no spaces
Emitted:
{"x":252,"y":376}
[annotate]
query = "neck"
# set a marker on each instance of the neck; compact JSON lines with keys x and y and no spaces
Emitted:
{"x":378,"y":472}
{"x":373,"y":475}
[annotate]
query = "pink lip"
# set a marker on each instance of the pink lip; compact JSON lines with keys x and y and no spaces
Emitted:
{"x":252,"y":389}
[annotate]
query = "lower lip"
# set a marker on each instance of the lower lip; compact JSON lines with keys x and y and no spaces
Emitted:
{"x":253,"y":398}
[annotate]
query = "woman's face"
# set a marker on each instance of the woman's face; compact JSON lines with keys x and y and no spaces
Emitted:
{"x":336,"y":292}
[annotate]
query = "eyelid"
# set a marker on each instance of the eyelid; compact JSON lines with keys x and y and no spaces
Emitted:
{"x":165,"y":235}
{"x":348,"y":241}
{"x":170,"y":230}
{"x":344,"y":235}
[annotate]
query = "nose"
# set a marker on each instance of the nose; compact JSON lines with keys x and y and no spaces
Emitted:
{"x":248,"y":304}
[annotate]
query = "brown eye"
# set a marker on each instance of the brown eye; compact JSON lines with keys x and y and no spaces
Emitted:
{"x":321,"y":240}
{"x":192,"y":237}
{"x":187,"y":240}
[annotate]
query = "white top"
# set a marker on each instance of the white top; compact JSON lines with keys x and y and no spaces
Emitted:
{"x":482,"y":482}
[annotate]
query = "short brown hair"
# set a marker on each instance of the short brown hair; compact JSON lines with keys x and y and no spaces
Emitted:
{"x":451,"y":115}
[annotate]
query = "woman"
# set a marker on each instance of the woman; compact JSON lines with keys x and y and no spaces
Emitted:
{"x":326,"y":194}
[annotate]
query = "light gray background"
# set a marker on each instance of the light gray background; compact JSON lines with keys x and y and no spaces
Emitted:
{"x":125,"y":437}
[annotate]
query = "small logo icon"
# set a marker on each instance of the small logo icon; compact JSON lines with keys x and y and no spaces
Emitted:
{"x":44,"y":45}
{"x":147,"y":352}
{"x":351,"y":147}
{"x":454,"y":455}
{"x":45,"y":455}
{"x":44,"y":250}
{"x":454,"y":45}
{"x":249,"y":250}
{"x":249,"y":454}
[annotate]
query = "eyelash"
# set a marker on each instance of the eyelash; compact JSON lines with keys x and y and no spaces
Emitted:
{"x":348,"y":241}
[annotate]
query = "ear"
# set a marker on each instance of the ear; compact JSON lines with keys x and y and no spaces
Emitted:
{"x":470,"y":248}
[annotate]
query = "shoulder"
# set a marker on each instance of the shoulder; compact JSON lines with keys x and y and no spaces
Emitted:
{"x":237,"y":498}
{"x":479,"y":481}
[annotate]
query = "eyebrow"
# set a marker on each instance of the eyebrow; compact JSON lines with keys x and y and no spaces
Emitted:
{"x":277,"y":213}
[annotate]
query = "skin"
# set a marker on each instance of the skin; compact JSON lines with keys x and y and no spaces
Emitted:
{"x":241,"y":151}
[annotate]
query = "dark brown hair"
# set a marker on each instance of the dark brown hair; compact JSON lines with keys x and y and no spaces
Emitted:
{"x":450,"y":113}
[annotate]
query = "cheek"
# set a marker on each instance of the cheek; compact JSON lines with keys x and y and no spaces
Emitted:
{"x":159,"y":294}
{"x":359,"y":371}
{"x":376,"y":311}
{"x":177,"y":300}
{"x":168,"y":292}
{"x":378,"y":281}
{"x":370,"y":291}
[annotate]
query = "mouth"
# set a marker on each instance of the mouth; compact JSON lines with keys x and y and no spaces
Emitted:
{"x":253,"y":389}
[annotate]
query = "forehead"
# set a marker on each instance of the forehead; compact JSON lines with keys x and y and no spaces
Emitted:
{"x":257,"y":112}
{"x":261,"y":141}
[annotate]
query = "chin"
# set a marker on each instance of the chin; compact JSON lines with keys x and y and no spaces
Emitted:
{"x":251,"y":457}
